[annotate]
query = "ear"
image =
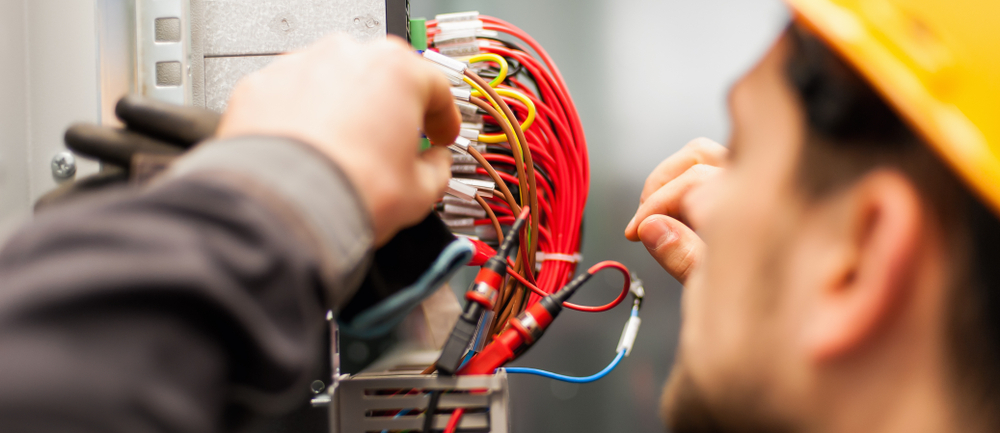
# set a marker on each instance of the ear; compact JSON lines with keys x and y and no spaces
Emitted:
{"x":879,"y":232}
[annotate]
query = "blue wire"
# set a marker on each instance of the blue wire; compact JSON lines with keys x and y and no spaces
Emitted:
{"x":570,"y":379}
{"x":386,"y":315}
{"x":468,"y":356}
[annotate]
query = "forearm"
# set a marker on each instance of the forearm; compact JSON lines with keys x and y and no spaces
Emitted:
{"x":163,"y":310}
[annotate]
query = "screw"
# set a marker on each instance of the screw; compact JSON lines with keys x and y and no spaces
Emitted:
{"x":317,"y":386}
{"x":63,"y":165}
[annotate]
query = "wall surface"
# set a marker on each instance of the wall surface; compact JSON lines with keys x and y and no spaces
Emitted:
{"x":48,"y":80}
{"x":690,"y":53}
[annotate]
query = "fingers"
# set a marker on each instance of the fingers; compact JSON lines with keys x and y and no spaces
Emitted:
{"x":668,"y":199}
{"x":179,"y":124}
{"x":441,"y":118}
{"x":697,"y":151}
{"x":674,"y":245}
{"x":434,"y":170}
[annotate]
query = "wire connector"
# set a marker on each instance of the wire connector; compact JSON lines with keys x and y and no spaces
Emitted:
{"x":468,"y":134}
{"x":461,"y":190}
{"x":445,"y":61}
{"x":461,"y":93}
{"x":463,"y":36}
{"x":457,"y":16}
{"x":484,"y":187}
{"x":461,"y":145}
{"x":630,"y":332}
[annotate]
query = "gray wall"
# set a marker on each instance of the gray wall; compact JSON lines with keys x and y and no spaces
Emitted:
{"x":48,"y":80}
{"x":690,"y":51}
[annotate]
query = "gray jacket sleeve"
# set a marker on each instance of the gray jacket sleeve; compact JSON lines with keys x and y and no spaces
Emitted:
{"x":193,"y":305}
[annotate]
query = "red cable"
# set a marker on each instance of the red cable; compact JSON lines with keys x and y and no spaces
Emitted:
{"x":593,"y":270}
{"x":456,"y":416}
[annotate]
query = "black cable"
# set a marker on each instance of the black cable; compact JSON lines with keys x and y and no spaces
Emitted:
{"x":432,"y":407}
{"x":514,"y":67}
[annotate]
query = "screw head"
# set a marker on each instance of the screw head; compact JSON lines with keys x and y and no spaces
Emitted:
{"x":63,"y":165}
{"x":317,"y":386}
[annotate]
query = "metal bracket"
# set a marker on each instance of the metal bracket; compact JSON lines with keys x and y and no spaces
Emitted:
{"x":163,"y":49}
{"x":366,"y":402}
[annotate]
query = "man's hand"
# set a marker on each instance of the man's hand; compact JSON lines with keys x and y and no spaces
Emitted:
{"x":363,"y":106}
{"x":662,"y":222}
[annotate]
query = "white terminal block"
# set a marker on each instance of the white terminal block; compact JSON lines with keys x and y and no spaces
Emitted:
{"x":461,"y":190}
{"x":462,"y":36}
{"x":455,"y":201}
{"x":469,"y":134}
{"x":469,"y":112}
{"x":464,"y":211}
{"x":461,"y":93}
{"x":460,"y":146}
{"x":628,"y":335}
{"x":464,"y":168}
{"x":459,"y":159}
{"x":457,"y":16}
{"x":459,"y":50}
{"x":445,"y":61}
{"x":477,"y":125}
{"x":454,"y":78}
{"x":459,"y":222}
{"x":455,"y":26}
{"x":484,"y":187}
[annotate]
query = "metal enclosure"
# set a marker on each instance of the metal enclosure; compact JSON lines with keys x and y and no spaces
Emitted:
{"x":356,"y":401}
{"x":70,"y":61}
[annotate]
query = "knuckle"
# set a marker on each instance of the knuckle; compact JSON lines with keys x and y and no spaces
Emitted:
{"x":701,"y":171}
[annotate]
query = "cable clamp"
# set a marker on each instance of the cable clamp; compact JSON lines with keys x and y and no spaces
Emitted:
{"x":558,"y":257}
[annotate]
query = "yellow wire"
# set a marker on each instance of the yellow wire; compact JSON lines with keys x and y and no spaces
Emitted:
{"x":490,"y":57}
{"x":515,"y":145}
{"x":528,"y":121}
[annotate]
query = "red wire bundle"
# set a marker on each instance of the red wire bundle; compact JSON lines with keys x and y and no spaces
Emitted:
{"x":559,"y":149}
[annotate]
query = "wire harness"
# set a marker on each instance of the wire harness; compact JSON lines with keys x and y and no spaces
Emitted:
{"x":524,"y":136}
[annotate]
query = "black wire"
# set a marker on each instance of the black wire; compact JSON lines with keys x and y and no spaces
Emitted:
{"x":514,"y":67}
{"x":515,"y":46}
{"x":432,"y":407}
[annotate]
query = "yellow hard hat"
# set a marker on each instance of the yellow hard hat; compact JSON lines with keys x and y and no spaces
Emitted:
{"x":937,"y":62}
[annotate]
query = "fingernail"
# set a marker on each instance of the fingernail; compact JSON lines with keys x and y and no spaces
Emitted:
{"x":630,"y":224}
{"x":655,"y":233}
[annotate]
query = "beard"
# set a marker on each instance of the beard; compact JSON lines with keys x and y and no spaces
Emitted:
{"x":686,"y":409}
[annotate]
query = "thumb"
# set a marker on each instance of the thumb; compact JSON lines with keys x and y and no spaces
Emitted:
{"x":433,"y":171}
{"x":674,"y":245}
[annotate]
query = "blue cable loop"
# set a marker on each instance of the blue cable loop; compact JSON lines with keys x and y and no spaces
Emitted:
{"x":574,"y":379}
{"x":384,"y":316}
{"x":570,"y":379}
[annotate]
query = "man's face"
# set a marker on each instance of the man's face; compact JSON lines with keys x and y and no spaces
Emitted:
{"x":735,"y":358}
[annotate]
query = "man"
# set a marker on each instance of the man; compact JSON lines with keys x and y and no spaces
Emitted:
{"x":197,"y":303}
{"x":840,"y":257}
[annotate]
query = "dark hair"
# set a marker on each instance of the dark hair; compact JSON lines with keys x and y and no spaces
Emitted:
{"x":851,"y":131}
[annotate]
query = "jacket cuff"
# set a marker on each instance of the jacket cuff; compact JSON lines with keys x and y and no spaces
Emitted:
{"x":314,"y":188}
